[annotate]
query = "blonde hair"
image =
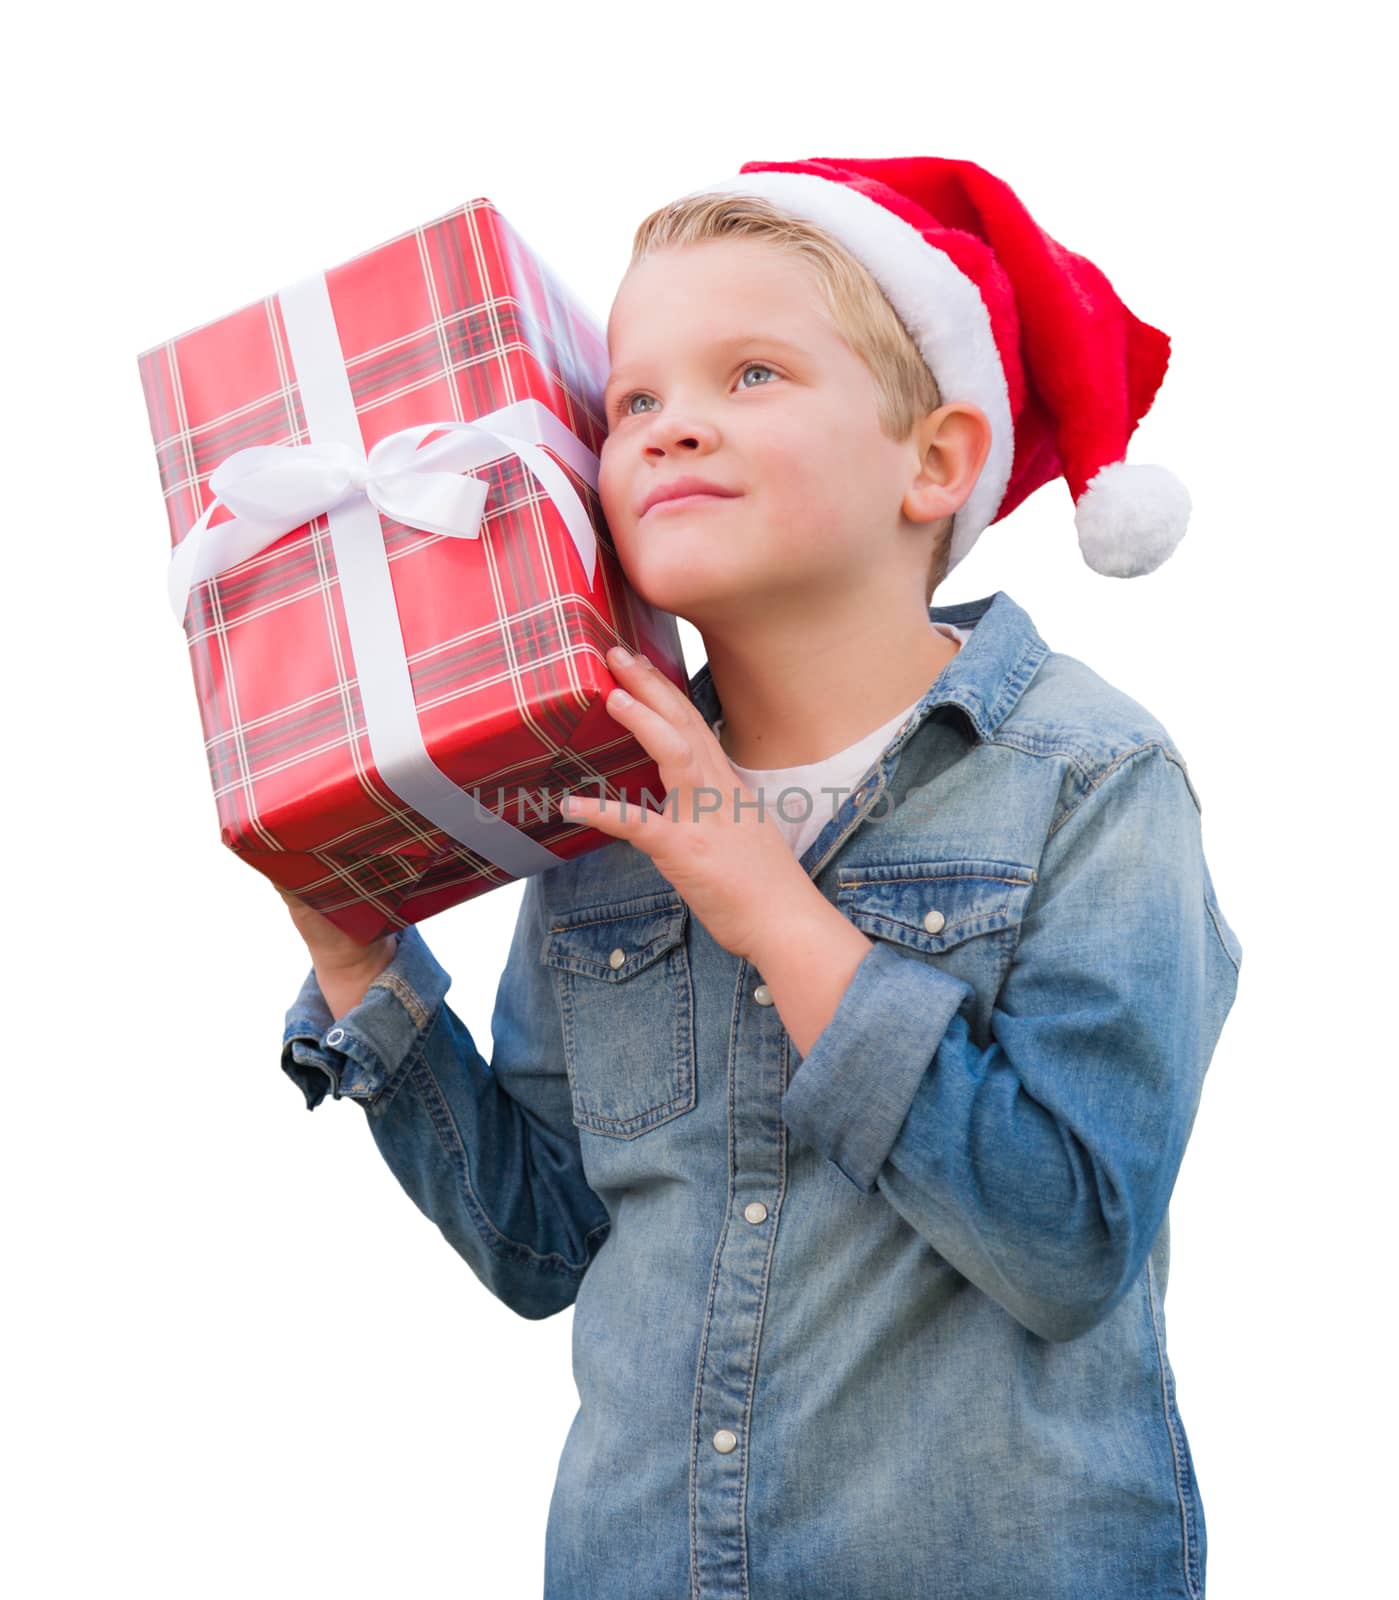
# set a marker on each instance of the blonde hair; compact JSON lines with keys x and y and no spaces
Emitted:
{"x":856,"y":304}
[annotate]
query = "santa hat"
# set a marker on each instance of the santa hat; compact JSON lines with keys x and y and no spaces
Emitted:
{"x":1010,"y":320}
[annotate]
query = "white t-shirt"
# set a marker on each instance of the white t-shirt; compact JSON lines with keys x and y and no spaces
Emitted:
{"x":801,"y":816}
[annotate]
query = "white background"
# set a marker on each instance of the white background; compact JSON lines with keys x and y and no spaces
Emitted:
{"x":237,"y":1358}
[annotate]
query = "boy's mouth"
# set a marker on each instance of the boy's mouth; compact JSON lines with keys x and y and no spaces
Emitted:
{"x":685,"y":490}
{"x":686,"y":500}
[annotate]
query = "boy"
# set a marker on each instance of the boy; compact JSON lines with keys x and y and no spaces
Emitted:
{"x":848,"y":1127}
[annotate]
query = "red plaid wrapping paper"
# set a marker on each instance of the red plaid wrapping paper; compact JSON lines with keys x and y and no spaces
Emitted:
{"x":503,"y":634}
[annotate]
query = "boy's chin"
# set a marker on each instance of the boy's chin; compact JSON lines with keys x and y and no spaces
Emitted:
{"x":704,"y":599}
{"x":675,"y":586}
{"x":679,"y":600}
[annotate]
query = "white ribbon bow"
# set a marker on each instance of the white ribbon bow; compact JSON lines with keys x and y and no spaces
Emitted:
{"x":273,"y":488}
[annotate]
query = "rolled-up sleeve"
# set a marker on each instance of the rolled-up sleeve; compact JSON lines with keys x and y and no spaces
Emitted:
{"x":357,"y":1057}
{"x":487,"y":1150}
{"x":1041,"y":1165}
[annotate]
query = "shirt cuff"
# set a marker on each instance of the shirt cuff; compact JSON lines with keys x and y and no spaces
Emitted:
{"x":357,"y":1056}
{"x":848,"y":1099}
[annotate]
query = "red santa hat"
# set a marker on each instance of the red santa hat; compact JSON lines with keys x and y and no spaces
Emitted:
{"x":1010,"y":320}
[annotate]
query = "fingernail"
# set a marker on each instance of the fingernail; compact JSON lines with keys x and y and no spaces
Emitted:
{"x":622,"y":654}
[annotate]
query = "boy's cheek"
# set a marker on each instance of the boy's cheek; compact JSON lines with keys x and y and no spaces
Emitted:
{"x":612,"y":493}
{"x":619,"y":525}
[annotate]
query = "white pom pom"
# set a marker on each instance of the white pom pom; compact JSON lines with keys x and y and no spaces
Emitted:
{"x":1130,"y":518}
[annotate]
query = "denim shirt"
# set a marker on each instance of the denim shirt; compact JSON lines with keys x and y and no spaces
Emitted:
{"x":884,"y":1321}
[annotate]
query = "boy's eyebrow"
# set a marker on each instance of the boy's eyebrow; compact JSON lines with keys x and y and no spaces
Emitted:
{"x":772,"y":340}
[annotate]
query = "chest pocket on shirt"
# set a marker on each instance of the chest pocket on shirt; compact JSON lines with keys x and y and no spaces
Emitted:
{"x":627,"y":1009}
{"x":963,"y":915}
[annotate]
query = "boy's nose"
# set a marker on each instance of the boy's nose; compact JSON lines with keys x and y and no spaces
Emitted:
{"x":673,"y":429}
{"x":682,"y":436}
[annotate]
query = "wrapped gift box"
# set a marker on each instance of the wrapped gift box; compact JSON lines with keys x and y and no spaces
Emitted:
{"x":394,"y":574}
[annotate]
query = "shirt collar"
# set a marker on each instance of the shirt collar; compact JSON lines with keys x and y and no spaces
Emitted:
{"x":984,"y":679}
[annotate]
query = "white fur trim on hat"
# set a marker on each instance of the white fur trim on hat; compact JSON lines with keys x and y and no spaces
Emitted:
{"x":941,"y":307}
{"x":1130,"y":517}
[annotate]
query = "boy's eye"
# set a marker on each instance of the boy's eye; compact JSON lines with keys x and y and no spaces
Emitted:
{"x":758,"y":364}
{"x":622,"y":407}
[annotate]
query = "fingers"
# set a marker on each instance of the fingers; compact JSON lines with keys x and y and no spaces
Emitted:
{"x":650,"y":685}
{"x":299,"y":909}
{"x":664,"y":742}
{"x":620,"y":819}
{"x":690,"y":745}
{"x":665,"y":723}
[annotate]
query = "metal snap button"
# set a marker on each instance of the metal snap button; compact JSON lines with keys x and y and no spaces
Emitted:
{"x":335,"y":1036}
{"x":934,"y":921}
{"x":860,"y":796}
{"x":617,"y":957}
{"x":755,"y":1211}
{"x":724,"y":1441}
{"x":763,"y":995}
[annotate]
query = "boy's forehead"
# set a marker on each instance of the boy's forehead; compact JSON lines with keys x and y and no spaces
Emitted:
{"x":690,"y":299}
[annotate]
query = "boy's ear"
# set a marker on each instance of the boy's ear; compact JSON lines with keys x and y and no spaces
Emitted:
{"x":952,"y":444}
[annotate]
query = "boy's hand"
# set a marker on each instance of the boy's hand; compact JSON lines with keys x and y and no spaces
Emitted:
{"x":344,"y":969}
{"x":731,"y":865}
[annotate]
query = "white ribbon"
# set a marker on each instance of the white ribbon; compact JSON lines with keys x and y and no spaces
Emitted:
{"x":273,"y":489}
